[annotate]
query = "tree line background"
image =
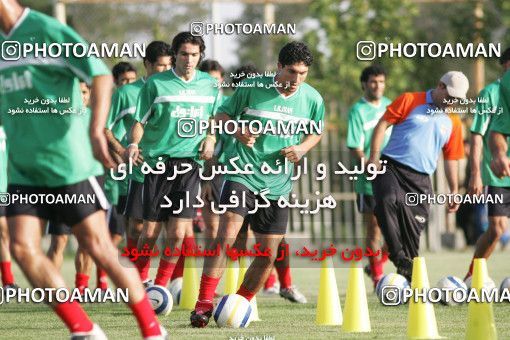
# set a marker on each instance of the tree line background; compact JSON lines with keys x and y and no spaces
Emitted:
{"x":330,"y":27}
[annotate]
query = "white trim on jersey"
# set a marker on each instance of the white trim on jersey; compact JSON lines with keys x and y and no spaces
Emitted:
{"x":281,"y":94}
{"x":185,"y":99}
{"x":146,"y":116}
{"x":485,"y":126}
{"x":103,"y":201}
{"x":109,"y":214}
{"x":60,"y":62}
{"x":185,"y":81}
{"x":275,"y":115}
{"x":17,"y":24}
{"x":122,"y":114}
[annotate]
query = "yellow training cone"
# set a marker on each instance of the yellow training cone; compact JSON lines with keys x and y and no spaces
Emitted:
{"x":356,"y":317}
{"x":231,"y":275}
{"x":329,"y":312}
{"x":480,"y":315}
{"x":421,"y":323}
{"x":189,"y":292}
{"x":243,"y":267}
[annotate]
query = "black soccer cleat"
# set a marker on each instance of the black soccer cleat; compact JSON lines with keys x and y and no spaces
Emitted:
{"x":200,"y":320}
{"x":405,"y":268}
{"x":367,"y":270}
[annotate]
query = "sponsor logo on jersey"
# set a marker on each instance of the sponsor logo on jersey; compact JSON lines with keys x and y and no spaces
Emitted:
{"x":16,"y":82}
{"x":191,"y":112}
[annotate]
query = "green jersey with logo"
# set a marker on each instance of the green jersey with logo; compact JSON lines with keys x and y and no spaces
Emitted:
{"x":483,"y":122}
{"x":170,"y":110}
{"x":120,"y":121}
{"x":363,"y":117}
{"x":259,"y":100}
{"x":42,"y":109}
{"x":3,"y":161}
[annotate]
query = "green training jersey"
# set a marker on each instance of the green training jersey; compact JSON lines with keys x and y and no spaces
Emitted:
{"x":167,"y":106}
{"x":42,"y":109}
{"x":225,"y":143}
{"x":122,"y":110}
{"x":488,"y":99}
{"x":259,"y":100}
{"x":120,"y":121}
{"x":363,"y":117}
{"x":3,"y":161}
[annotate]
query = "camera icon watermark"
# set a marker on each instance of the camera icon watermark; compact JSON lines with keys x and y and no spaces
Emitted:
{"x":11,"y":50}
{"x":366,"y":50}
{"x":412,"y":199}
{"x":5,"y":199}
{"x":187,"y":128}
{"x":391,"y":296}
{"x":197,"y":28}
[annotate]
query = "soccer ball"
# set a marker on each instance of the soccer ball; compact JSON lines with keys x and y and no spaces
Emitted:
{"x":160,"y":299}
{"x":488,"y":284}
{"x":389,"y":296}
{"x":175,"y":289}
{"x":448,"y":285}
{"x":505,"y":284}
{"x":232,"y":311}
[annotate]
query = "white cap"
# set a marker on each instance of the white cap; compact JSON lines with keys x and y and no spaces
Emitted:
{"x":456,"y":83}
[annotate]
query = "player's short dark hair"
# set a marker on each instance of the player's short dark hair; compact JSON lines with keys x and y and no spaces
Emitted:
{"x":295,"y":52}
{"x":505,"y":56}
{"x":183,"y":38}
{"x":245,"y":69}
{"x":121,"y":68}
{"x":209,"y":65}
{"x":155,"y":50}
{"x":372,"y":70}
{"x":84,"y":82}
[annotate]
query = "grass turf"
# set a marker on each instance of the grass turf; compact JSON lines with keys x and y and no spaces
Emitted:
{"x":280,"y":319}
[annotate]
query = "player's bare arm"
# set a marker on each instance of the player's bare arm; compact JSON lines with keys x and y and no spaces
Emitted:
{"x":207,"y":146}
{"x":113,"y":143}
{"x":475,"y":157}
{"x":100,"y":104}
{"x":294,"y":153}
{"x":451,"y":169}
{"x":499,"y":147}
{"x":133,"y":152}
{"x":244,"y":137}
{"x":377,"y":140}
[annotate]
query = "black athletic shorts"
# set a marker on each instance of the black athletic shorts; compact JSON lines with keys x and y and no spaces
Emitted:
{"x":216,"y":184}
{"x":271,"y":220}
{"x":68,"y":204}
{"x":115,"y":221}
{"x":185,"y":187}
{"x":58,"y":228}
{"x":133,"y":208}
{"x":498,"y":209}
{"x":365,"y":203}
{"x":2,"y":210}
{"x":400,"y":215}
{"x":121,"y":204}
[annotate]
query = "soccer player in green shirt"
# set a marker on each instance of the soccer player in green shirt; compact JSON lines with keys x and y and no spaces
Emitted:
{"x":165,"y":101}
{"x":265,"y":101}
{"x":363,"y":117}
{"x":123,"y":73}
{"x":120,"y":120}
{"x":487,"y":118}
{"x":57,"y":160}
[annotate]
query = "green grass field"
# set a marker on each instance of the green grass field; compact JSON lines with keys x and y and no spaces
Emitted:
{"x":280,"y":319}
